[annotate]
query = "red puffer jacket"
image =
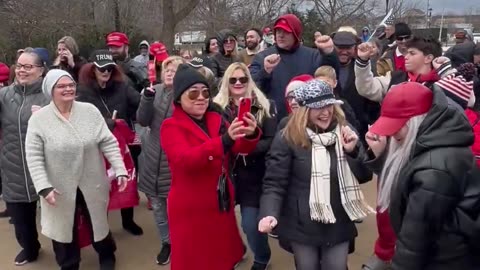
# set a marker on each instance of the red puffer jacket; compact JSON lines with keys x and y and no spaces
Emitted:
{"x":474,"y":118}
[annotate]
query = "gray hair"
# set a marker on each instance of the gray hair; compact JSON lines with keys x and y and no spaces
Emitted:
{"x":397,"y":157}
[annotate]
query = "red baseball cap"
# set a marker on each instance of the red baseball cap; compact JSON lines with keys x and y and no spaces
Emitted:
{"x":401,"y":103}
{"x":283,"y":24}
{"x":117,"y":39}
{"x":4,"y":72}
{"x":159,"y":50}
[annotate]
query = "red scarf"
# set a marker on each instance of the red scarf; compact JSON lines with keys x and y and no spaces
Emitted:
{"x":424,"y":78}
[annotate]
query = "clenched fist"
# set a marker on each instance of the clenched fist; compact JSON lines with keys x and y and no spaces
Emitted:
{"x":271,"y":62}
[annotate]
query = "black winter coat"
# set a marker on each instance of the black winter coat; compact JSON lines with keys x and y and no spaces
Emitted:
{"x":117,"y":96}
{"x":248,"y":171}
{"x":220,"y":61}
{"x":286,"y":191}
{"x":366,"y":111}
{"x":429,"y":200}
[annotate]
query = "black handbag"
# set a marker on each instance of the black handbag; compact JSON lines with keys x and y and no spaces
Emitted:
{"x":223,"y":194}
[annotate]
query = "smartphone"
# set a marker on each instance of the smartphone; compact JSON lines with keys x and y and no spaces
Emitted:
{"x":243,"y":109}
{"x":152,"y":73}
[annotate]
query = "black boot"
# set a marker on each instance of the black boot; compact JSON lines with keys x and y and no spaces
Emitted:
{"x":128,"y":224}
{"x":108,"y":263}
{"x":72,"y":267}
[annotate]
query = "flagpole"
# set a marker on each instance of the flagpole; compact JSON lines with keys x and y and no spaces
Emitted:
{"x":382,"y":23}
{"x":441,"y":27}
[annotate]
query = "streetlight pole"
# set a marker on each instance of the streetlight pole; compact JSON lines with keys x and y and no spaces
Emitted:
{"x":386,"y":7}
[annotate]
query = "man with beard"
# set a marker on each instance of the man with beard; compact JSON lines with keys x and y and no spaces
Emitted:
{"x":394,"y":58}
{"x":365,"y":110}
{"x":117,"y":43}
{"x":253,"y":39}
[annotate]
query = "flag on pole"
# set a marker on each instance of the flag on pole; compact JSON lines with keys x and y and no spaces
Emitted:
{"x":388,"y":20}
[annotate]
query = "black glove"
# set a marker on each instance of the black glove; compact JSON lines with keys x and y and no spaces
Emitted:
{"x":149,"y":92}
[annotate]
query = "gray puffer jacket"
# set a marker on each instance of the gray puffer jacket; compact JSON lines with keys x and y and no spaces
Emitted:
{"x":154,"y":172}
{"x":16,"y":103}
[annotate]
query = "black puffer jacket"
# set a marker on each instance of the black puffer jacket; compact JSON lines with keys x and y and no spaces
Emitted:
{"x":248,"y":171}
{"x":16,"y":103}
{"x":116,"y":96}
{"x":220,"y":60}
{"x":136,"y":72}
{"x":286,"y":191}
{"x":155,"y":175}
{"x":425,"y":203}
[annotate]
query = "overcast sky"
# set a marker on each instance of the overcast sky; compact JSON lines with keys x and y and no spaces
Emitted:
{"x":457,"y":6}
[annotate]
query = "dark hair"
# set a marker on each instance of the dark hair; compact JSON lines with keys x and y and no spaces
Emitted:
{"x":402,"y":29}
{"x":87,"y":75}
{"x":427,"y":46}
{"x":37,"y":59}
{"x":256,"y":30}
{"x":207,"y":44}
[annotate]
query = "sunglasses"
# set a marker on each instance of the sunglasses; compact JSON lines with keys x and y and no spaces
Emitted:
{"x":229,"y":40}
{"x":403,"y":38}
{"x":108,"y":68}
{"x":234,"y":80}
{"x":194,"y":94}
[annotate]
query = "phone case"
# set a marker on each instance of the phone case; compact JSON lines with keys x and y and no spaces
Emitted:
{"x":243,"y":109}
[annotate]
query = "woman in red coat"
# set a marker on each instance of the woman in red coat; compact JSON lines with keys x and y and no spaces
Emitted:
{"x":197,"y":142}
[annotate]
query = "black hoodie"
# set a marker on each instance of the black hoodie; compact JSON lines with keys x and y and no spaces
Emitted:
{"x":428,"y":191}
{"x":220,"y":60}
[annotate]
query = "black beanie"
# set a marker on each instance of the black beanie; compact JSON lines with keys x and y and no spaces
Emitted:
{"x":185,"y":77}
{"x":402,"y":29}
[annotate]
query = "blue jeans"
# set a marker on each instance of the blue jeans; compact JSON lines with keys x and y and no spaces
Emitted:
{"x":257,"y":241}
{"x":159,"y":206}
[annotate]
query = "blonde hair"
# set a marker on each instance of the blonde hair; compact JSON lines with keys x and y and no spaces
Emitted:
{"x":176,"y":60}
{"x":223,"y":97}
{"x":397,"y":156}
{"x":295,"y":131}
{"x":70,"y":43}
{"x":326,"y":71}
{"x":192,"y":53}
{"x":347,"y":29}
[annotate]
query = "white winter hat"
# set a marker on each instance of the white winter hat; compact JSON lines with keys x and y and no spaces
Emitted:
{"x":51,"y":80}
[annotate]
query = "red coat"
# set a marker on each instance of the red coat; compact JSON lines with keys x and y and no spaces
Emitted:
{"x":202,"y":237}
{"x":474,"y":119}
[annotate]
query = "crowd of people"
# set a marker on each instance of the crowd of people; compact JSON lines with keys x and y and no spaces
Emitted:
{"x":320,"y":123}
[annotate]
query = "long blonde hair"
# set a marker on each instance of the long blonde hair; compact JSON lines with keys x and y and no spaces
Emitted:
{"x":70,"y":43}
{"x":397,"y":156}
{"x":295,"y":132}
{"x":223,"y":96}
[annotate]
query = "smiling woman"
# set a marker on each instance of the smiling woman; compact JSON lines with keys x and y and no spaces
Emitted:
{"x":199,"y":144}
{"x":70,"y":183}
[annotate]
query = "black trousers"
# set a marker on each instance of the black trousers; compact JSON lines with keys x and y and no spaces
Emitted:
{"x":24,"y":218}
{"x":128,"y":213}
{"x":67,"y":255}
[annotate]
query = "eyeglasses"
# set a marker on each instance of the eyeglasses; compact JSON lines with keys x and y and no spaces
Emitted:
{"x":108,"y":68}
{"x":234,"y":80}
{"x":65,"y":86}
{"x":290,"y":98}
{"x":26,"y":67}
{"x":195,"y":93}
{"x":403,"y":38}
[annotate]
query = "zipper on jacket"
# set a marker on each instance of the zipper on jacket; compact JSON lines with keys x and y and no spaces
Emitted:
{"x":161,"y":149}
{"x":21,"y":142}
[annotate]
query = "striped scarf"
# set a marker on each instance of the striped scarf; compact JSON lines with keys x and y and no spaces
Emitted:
{"x":352,"y":197}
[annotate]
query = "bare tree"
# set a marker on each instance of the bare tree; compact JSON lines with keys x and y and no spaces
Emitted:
{"x":172,"y":16}
{"x":335,"y":13}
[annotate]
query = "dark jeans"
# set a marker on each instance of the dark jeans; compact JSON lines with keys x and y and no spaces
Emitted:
{"x":315,"y":258}
{"x":257,"y":241}
{"x":24,"y":218}
{"x":68,"y":254}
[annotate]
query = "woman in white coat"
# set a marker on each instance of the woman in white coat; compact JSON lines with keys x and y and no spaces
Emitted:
{"x":65,"y":148}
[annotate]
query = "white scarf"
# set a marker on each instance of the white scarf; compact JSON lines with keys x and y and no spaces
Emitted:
{"x":352,"y":197}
